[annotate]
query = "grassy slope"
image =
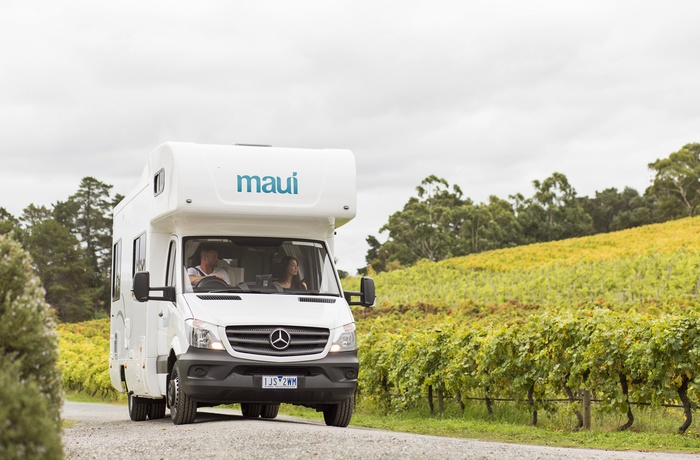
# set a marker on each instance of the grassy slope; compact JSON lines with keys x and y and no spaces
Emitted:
{"x":652,"y":267}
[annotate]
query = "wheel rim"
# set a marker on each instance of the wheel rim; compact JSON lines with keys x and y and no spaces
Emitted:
{"x":173,"y":393}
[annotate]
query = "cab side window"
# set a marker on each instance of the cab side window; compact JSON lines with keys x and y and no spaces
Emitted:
{"x":139,"y":264}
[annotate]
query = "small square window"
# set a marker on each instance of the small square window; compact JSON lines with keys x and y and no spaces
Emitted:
{"x":159,"y":182}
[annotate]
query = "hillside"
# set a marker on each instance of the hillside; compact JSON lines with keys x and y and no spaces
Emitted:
{"x":647,"y":268}
{"x":616,"y":313}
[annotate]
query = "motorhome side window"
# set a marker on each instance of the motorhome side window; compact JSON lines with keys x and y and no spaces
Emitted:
{"x":259,"y":265}
{"x":139,"y":259}
{"x":116,"y":269}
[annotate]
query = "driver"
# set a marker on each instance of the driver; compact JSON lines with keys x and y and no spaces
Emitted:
{"x":208,"y":266}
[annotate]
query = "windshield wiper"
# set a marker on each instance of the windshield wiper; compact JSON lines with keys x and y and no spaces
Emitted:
{"x":225,"y":290}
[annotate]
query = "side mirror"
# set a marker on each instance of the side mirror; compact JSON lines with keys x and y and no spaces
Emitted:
{"x":366,"y":294}
{"x":367,"y":297}
{"x":142,"y":283}
{"x":142,"y":289}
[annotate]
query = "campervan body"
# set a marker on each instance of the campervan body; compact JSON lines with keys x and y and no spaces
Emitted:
{"x":224,"y":288}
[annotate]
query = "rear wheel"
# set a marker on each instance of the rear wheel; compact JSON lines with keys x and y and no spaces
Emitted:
{"x":156,"y":409}
{"x":138,"y":408}
{"x":270,"y":410}
{"x":339,"y":414}
{"x":251,"y":410}
{"x":182,"y":409}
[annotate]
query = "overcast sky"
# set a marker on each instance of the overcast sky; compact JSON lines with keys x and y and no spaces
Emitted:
{"x":489,"y":95}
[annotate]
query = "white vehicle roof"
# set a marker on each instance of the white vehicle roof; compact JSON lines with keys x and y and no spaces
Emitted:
{"x":191,"y":183}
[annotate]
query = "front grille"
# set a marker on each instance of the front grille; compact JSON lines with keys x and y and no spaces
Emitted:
{"x":256,"y":340}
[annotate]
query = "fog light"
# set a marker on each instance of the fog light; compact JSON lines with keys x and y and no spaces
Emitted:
{"x":350,"y":374}
{"x":199,"y":372}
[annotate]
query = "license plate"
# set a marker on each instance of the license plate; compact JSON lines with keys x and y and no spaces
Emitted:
{"x":279,"y":381}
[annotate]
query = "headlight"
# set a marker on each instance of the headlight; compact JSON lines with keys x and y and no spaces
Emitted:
{"x":203,"y":335}
{"x":345,"y":339}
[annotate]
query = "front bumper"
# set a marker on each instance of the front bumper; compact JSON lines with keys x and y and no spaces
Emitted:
{"x":214,"y":377}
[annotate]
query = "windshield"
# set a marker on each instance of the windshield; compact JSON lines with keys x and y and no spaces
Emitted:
{"x":258,"y":265}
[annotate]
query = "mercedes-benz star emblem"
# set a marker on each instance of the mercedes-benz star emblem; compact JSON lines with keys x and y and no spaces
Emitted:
{"x":279,"y":339}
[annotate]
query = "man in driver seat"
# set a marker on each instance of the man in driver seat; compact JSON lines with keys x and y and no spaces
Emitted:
{"x":208,"y":260}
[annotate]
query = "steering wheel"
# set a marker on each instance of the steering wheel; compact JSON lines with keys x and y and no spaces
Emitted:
{"x":211,"y":282}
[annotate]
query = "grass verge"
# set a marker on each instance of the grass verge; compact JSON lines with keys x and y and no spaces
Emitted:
{"x":654,"y":430}
{"x":75,"y":396}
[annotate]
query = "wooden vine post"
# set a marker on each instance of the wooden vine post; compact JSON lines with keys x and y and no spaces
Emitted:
{"x":586,"y":409}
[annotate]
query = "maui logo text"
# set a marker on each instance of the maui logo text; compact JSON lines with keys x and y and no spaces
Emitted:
{"x":269,"y":184}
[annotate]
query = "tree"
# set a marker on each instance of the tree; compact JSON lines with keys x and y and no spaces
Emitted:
{"x":676,"y":185}
{"x":529,"y":216}
{"x":440,"y":223}
{"x":64,"y":271}
{"x":8,"y":222}
{"x":471,"y":221}
{"x":486,"y":226}
{"x":32,"y":215}
{"x":611,"y":210}
{"x":93,"y":220}
{"x":428,"y":227}
{"x":641,"y":210}
{"x":377,"y":256}
{"x":30,"y":384}
{"x":70,"y":245}
{"x":503,"y":229}
{"x":553,"y":212}
{"x":89,"y":212}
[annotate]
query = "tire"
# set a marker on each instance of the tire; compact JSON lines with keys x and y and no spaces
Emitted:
{"x":270,"y":410}
{"x":339,"y":414}
{"x":182,"y":409}
{"x":251,"y":410}
{"x":138,"y":408}
{"x":156,"y":409}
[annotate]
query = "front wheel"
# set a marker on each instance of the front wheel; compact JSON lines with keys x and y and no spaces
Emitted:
{"x":339,"y":414}
{"x":182,"y":409}
{"x":251,"y":410}
{"x":270,"y":410}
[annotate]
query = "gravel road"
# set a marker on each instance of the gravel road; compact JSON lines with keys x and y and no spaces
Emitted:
{"x":106,"y":432}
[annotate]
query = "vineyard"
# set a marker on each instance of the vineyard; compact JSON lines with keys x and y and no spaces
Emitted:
{"x":618,"y":357}
{"x":623,"y":270}
{"x":83,"y":358}
{"x":613,"y":316}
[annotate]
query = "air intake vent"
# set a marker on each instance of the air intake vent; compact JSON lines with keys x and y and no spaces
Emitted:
{"x":257,"y":340}
{"x":218,"y":297}
{"x":316,"y":299}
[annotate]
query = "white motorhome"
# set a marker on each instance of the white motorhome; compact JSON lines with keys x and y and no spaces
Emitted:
{"x":224,"y":288}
